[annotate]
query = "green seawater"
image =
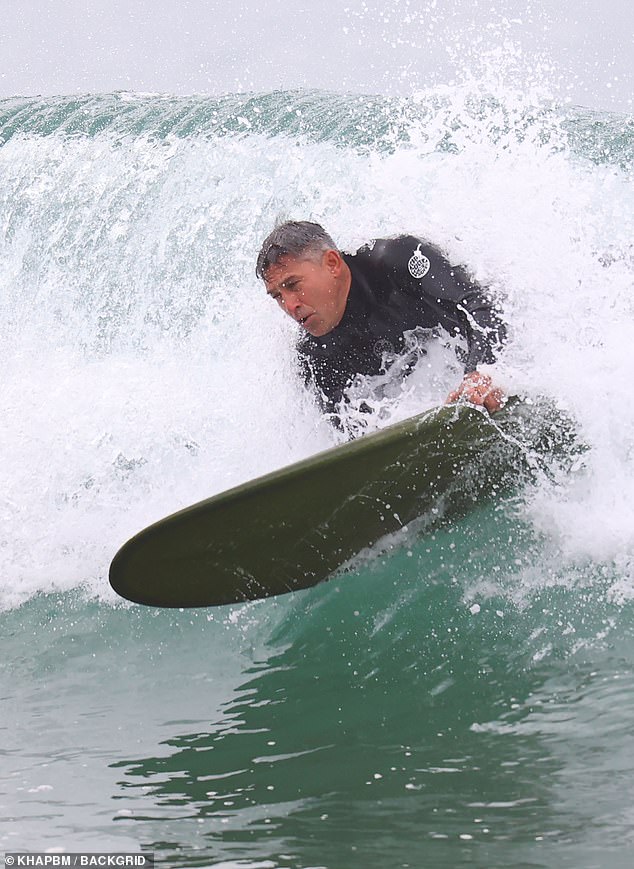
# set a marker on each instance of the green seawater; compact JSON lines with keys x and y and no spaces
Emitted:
{"x":403,"y":716}
{"x":441,"y":121}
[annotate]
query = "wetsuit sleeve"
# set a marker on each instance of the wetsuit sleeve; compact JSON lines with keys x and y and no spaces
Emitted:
{"x":459,"y":304}
{"x":325,"y":380}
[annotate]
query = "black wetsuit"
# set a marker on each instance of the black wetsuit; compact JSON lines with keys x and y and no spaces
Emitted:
{"x":398,"y":284}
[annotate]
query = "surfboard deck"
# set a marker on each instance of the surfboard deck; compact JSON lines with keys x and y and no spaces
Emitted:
{"x":294,"y":527}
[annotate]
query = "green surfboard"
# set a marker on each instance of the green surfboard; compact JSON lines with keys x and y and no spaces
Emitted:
{"x":297,"y":526}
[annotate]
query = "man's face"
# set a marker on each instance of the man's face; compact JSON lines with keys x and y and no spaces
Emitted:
{"x":313,"y":293}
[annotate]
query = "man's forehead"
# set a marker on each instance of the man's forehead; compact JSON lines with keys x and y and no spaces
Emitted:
{"x":283,"y":268}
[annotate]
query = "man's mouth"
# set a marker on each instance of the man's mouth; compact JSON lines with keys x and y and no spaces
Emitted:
{"x":302,"y":320}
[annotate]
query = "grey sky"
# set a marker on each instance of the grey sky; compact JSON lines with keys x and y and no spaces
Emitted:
{"x":386,"y":46}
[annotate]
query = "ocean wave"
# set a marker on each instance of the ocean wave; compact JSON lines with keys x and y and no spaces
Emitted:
{"x":439,"y":119}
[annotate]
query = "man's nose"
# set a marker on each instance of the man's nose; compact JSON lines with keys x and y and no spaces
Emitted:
{"x":291,"y":302}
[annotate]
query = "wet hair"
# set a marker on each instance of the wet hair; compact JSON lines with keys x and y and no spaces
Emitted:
{"x":297,"y":238}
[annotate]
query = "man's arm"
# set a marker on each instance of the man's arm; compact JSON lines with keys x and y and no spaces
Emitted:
{"x":460,"y":305}
{"x":325,"y":380}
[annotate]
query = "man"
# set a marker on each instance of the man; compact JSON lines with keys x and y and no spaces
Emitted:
{"x":352,"y":307}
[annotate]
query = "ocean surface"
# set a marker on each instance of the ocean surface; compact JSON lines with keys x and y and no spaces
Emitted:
{"x":465,"y":701}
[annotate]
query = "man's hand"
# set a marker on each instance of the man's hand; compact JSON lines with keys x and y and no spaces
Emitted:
{"x":478,"y":389}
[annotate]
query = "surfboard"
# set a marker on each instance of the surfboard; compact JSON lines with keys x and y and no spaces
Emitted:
{"x":297,"y":526}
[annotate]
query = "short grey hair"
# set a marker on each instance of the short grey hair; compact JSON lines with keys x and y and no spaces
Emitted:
{"x":297,"y":238}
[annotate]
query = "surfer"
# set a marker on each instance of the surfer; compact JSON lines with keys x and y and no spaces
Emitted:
{"x":355,"y":309}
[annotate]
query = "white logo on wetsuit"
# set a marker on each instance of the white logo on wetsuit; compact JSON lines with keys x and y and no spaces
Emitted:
{"x":418,"y":264}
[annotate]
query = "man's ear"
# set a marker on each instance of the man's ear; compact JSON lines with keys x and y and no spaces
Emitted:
{"x":332,"y":260}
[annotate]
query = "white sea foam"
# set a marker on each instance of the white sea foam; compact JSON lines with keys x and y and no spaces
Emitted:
{"x":144,"y":368}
